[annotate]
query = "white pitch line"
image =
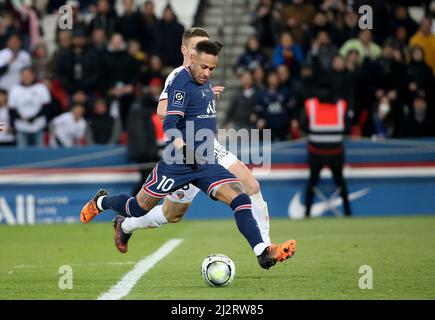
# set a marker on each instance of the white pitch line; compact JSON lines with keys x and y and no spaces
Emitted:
{"x":124,"y":286}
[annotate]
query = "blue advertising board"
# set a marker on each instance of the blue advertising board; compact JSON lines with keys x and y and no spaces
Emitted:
{"x":53,"y":185}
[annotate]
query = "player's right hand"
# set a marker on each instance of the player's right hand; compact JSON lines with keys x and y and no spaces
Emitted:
{"x":217,"y":90}
{"x":186,"y":159}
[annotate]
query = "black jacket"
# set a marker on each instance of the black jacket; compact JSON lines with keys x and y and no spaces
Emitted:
{"x":142,"y":145}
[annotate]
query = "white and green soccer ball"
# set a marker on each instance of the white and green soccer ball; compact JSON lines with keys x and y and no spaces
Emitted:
{"x":218,"y":270}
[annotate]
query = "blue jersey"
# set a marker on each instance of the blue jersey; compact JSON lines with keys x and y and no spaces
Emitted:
{"x":190,"y":105}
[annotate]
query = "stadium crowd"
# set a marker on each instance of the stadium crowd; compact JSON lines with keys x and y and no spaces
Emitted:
{"x":386,"y":75}
{"x":110,"y":69}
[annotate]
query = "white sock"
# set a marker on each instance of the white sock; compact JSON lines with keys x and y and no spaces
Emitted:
{"x":261,"y":215}
{"x":153,"y":219}
{"x":99,"y":201}
{"x":259,"y":248}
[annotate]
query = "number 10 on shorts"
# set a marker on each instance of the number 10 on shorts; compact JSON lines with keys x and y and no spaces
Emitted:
{"x":166,"y":184}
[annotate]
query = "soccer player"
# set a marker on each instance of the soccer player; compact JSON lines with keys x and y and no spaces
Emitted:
{"x":176,"y":204}
{"x":191,"y":104}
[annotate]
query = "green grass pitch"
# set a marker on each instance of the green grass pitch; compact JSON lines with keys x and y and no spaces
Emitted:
{"x":329,"y":253}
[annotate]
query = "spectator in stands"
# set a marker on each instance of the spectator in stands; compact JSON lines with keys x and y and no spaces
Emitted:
{"x":273,"y":109}
{"x":105,"y":18}
{"x":40,"y":60}
{"x":363,"y":44}
{"x":80,"y":97}
{"x":7,"y":137}
{"x":353,"y":61}
{"x":153,"y":70}
{"x":288,"y":53}
{"x":348,"y":29}
{"x":78,"y":68}
{"x":12,"y":59}
{"x":421,"y":78}
{"x":129,"y":24}
{"x":99,"y":41}
{"x":135,"y":50}
{"x":120,"y":74}
{"x":418,"y":122}
{"x":401,"y":19}
{"x":7,"y":27}
{"x":169,"y":33}
{"x":142,"y":143}
{"x":323,"y":49}
{"x":303,"y":87}
{"x":149,"y":21}
{"x":28,"y":102}
{"x":387,"y":78}
{"x":285,"y":81}
{"x":298,"y":17}
{"x":400,"y":41}
{"x":383,"y":120}
{"x":259,"y":78}
{"x":267,"y":22}
{"x":102,"y":127}
{"x":425,"y":38}
{"x":63,"y":44}
{"x":241,"y":111}
{"x":344,"y":82}
{"x":68,"y":129}
{"x":252,"y":57}
{"x":320,"y":23}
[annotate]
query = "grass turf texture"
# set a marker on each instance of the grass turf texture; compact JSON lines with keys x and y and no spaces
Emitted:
{"x":329,"y":254}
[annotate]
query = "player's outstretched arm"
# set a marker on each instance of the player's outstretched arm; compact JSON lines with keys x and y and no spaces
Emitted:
{"x":162,"y":107}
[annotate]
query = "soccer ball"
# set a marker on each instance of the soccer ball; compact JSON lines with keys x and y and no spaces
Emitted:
{"x":218,"y":270}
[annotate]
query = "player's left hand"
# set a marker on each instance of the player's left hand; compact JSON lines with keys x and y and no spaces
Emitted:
{"x":217,"y":90}
{"x":2,"y":126}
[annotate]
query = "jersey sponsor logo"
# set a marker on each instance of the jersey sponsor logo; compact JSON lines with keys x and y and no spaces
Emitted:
{"x":211,"y":108}
{"x":211,"y":111}
{"x":296,"y":210}
{"x":178,"y":98}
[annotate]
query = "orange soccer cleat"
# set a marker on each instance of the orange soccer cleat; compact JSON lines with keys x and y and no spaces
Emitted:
{"x":90,"y":210}
{"x":276,"y":252}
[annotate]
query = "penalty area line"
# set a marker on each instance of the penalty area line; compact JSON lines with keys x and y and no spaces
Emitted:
{"x":124,"y":286}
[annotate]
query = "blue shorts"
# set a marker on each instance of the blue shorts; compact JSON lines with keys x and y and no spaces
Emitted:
{"x":165,"y":179}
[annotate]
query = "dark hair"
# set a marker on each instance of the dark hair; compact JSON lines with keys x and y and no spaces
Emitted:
{"x":209,"y":47}
{"x":3,"y":91}
{"x":77,"y":104}
{"x":219,"y":45}
{"x":14,"y":35}
{"x":28,"y":68}
{"x":194,"y":32}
